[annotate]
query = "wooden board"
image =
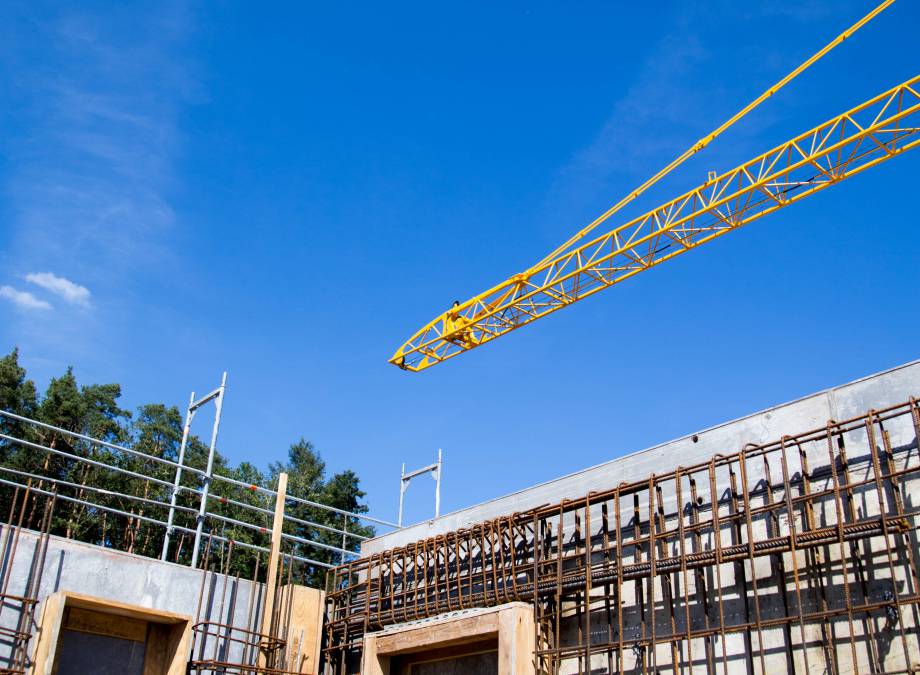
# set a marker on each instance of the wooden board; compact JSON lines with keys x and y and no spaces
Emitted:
{"x":511,"y":626}
{"x":305,"y":632}
{"x":93,"y":621}
{"x":167,"y":635}
{"x":442,"y":634}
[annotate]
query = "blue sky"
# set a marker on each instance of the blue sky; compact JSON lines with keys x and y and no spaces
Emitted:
{"x":289,"y":191}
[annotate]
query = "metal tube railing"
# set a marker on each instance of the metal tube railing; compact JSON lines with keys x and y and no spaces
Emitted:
{"x":215,"y":516}
{"x":273,"y":493}
{"x":299,"y":521}
{"x":154,"y":521}
{"x":327,"y":528}
{"x":201,"y":511}
{"x":87,"y":460}
{"x":91,"y":488}
{"x":264,"y":530}
{"x":66,"y":498}
{"x":319,"y":544}
{"x":95,"y":441}
{"x":350,"y":514}
{"x":184,"y":467}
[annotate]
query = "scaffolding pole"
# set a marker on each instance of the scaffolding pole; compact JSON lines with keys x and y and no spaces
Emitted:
{"x":218,"y":397}
{"x":406,"y":478}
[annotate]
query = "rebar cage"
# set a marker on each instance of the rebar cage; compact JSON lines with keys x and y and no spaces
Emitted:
{"x":219,"y":643}
{"x":791,"y":556}
{"x":19,"y":599}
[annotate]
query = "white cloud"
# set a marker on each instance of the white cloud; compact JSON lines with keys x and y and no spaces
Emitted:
{"x":73,"y":293}
{"x":23,"y":299}
{"x":91,"y":166}
{"x":91,"y":173}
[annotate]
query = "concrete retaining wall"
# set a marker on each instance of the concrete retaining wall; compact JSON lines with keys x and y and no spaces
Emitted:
{"x":122,"y":577}
{"x":848,"y":400}
{"x":794,"y":584}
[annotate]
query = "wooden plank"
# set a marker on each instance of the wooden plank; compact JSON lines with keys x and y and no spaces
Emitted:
{"x":49,"y":630}
{"x":271,"y":583}
{"x":156,"y":656}
{"x":511,"y":626}
{"x":516,"y":641}
{"x":449,"y":655}
{"x":167,"y":649}
{"x":304,"y":636}
{"x":104,"y":623}
{"x":371,"y":662}
{"x":122,"y":608}
{"x":450,"y":632}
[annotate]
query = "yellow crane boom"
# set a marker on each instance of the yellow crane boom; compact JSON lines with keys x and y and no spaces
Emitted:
{"x":854,"y":141}
{"x":722,"y":128}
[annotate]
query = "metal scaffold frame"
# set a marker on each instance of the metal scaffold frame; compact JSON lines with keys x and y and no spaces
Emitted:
{"x":798,"y":554}
{"x":193,"y":406}
{"x":436,"y":471}
{"x":89,"y":495}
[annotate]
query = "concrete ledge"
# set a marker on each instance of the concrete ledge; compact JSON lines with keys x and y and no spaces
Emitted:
{"x":848,"y":400}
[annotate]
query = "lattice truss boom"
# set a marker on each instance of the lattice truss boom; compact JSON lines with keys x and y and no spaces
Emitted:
{"x":795,"y":555}
{"x":859,"y":139}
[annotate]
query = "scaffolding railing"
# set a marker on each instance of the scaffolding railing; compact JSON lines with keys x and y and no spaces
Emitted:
{"x":203,"y":501}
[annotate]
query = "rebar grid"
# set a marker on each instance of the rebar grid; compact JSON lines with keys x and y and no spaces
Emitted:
{"x":220,"y":646}
{"x":16,"y":632}
{"x":789,"y":556}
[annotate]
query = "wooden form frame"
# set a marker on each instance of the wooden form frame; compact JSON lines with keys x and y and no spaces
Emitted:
{"x":167,"y":635}
{"x":511,"y":625}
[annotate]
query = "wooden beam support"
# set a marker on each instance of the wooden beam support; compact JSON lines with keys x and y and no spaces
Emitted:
{"x":271,"y":582}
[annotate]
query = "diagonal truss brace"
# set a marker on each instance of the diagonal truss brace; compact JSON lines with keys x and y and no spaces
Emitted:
{"x":850,"y":143}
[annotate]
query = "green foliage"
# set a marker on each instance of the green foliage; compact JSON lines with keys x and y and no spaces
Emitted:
{"x":307,"y":480}
{"x":155,"y":430}
{"x":17,"y":395}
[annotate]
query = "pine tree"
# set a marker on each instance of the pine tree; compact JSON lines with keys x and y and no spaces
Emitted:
{"x":306,"y":479}
{"x":155,"y":430}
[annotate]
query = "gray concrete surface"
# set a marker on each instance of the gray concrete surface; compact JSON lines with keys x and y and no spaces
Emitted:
{"x":876,"y":646}
{"x":841,"y":402}
{"x":113,"y":575}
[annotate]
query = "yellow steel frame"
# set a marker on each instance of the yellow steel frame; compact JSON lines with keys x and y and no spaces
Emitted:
{"x":722,"y":128}
{"x":861,"y":138}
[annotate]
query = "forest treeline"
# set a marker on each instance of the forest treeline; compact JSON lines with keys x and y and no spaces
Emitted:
{"x":155,"y":429}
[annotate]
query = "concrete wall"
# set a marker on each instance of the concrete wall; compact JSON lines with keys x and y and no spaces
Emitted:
{"x":841,"y":402}
{"x":122,"y":577}
{"x":809,"y":581}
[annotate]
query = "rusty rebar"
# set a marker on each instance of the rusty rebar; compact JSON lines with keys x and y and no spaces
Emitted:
{"x":823,"y":558}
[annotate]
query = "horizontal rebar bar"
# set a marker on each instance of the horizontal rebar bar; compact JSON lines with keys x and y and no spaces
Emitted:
{"x":707,"y":523}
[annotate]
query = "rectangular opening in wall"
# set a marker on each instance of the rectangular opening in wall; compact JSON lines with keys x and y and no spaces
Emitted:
{"x":80,"y":634}
{"x":107,"y":644}
{"x":470,"y":659}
